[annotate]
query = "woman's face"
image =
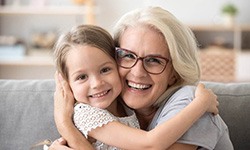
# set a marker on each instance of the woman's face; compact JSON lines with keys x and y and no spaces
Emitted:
{"x":142,"y":89}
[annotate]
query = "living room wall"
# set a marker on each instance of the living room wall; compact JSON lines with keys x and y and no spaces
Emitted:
{"x":195,"y":12}
{"x":189,"y":12}
{"x":108,"y":11}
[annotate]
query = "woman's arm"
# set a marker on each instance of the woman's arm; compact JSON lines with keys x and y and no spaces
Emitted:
{"x":129,"y":138}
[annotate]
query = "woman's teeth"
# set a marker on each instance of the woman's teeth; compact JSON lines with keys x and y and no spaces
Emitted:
{"x":138,"y":86}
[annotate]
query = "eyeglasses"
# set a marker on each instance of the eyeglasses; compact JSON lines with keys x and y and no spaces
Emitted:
{"x":151,"y":63}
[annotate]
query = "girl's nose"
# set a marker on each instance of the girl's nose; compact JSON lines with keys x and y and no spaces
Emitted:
{"x":96,"y":82}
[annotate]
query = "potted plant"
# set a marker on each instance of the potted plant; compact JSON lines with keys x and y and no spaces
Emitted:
{"x":229,"y":12}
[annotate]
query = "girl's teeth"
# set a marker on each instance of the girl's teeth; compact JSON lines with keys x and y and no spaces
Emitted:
{"x":99,"y":94}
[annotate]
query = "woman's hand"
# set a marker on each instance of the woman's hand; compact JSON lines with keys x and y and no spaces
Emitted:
{"x":63,"y":102}
{"x":208,"y":97}
{"x":59,"y":144}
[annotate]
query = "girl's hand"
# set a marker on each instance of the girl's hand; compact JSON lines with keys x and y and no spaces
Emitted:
{"x":63,"y":102}
{"x":59,"y":144}
{"x":207,"y":96}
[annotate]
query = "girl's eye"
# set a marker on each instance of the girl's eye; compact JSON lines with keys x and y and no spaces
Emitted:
{"x":82,"y":77}
{"x":105,"y":70}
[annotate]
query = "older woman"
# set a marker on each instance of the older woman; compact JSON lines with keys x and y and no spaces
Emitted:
{"x":156,"y":95}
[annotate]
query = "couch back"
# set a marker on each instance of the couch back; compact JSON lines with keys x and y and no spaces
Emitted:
{"x":234,"y":108}
{"x":26,"y":112}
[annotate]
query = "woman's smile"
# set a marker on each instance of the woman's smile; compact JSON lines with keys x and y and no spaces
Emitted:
{"x":138,"y":86}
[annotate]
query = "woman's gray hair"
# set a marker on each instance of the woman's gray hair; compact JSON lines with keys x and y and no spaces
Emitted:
{"x":179,"y":38}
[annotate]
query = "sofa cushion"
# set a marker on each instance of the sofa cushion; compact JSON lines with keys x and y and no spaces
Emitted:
{"x":26,"y":113}
{"x":234,"y":108}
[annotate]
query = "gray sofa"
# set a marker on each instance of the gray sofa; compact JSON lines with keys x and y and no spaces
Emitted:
{"x":26,"y":112}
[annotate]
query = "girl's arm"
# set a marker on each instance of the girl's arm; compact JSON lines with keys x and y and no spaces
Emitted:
{"x":122,"y":136}
{"x":165,"y":134}
{"x":63,"y":112}
{"x":59,"y":144}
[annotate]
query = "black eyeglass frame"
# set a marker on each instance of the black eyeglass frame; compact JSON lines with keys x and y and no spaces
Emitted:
{"x":140,"y":58}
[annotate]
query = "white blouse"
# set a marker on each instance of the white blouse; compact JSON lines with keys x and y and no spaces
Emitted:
{"x":87,"y":118}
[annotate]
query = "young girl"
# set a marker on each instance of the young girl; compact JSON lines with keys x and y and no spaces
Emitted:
{"x":85,"y":57}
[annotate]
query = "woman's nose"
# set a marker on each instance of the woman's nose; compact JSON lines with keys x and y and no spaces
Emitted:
{"x":138,"y":70}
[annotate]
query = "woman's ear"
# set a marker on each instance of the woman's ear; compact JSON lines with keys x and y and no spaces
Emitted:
{"x":173,"y":78}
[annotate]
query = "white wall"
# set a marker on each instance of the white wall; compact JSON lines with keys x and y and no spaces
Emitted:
{"x":243,"y":67}
{"x":188,"y":11}
{"x":203,"y":11}
{"x":108,"y":11}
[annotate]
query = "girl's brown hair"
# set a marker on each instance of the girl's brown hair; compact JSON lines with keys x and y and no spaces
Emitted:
{"x":79,"y":36}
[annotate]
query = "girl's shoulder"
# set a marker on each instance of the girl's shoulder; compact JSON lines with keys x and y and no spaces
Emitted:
{"x":87,"y":117}
{"x":88,"y":111}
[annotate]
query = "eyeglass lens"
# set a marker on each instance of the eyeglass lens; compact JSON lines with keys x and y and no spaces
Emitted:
{"x":152,"y":64}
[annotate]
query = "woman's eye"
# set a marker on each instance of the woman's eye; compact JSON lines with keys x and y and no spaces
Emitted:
{"x":106,"y":69}
{"x":128,"y":55}
{"x":153,"y":60}
{"x":82,"y":77}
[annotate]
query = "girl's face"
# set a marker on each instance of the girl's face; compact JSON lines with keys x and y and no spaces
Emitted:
{"x":142,"y":89}
{"x":93,"y":76}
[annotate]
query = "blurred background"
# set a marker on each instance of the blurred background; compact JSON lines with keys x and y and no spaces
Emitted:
{"x":29,"y":28}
